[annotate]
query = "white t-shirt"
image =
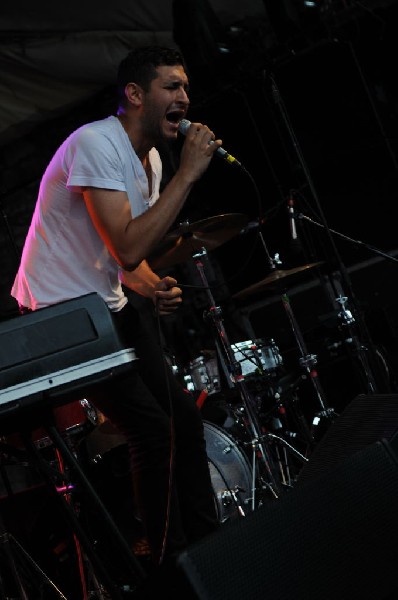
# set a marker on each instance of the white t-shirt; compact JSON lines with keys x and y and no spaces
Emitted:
{"x":63,"y":256}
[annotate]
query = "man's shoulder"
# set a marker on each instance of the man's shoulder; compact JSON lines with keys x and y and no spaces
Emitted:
{"x":105,"y":126}
{"x":104,"y":133}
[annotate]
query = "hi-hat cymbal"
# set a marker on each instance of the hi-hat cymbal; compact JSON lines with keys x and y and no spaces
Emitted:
{"x":179,"y":245}
{"x":272,"y":281}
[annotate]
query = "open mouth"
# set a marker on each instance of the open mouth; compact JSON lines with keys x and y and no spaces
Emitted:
{"x":175,"y":116}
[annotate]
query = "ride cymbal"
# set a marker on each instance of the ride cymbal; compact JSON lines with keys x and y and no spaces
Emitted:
{"x":179,"y":245}
{"x":272,"y":281}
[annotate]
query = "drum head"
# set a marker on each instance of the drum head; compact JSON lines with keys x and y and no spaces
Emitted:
{"x":230,"y":473}
{"x":258,"y":357}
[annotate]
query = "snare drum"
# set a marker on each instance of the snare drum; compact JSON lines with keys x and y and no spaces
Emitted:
{"x":203,"y":374}
{"x":258,"y":357}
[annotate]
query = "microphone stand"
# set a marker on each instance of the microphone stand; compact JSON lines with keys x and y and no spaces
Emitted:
{"x":347,"y":238}
{"x":365,"y":349}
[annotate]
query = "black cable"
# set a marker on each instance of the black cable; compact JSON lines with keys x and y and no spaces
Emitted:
{"x":172,"y":434}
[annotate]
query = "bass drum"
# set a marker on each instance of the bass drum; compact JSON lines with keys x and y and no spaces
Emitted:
{"x":105,"y":455}
{"x":230,"y":473}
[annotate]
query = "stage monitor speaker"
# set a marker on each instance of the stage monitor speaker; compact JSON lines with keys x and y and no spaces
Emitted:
{"x":330,"y":539}
{"x":367,"y":419}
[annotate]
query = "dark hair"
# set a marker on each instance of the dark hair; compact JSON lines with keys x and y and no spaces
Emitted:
{"x":139,"y":66}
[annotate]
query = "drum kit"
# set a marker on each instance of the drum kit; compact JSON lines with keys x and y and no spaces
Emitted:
{"x":257,"y":452}
{"x":260,"y":438}
{"x":263,"y":439}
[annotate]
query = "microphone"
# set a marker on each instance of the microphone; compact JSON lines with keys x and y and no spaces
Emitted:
{"x":290,"y":208}
{"x":183,"y":127}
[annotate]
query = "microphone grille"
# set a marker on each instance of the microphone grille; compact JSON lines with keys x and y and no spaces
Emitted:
{"x":183,"y":126}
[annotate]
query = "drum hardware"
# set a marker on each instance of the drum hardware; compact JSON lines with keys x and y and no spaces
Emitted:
{"x":358,"y":352}
{"x":276,"y":420}
{"x":344,"y":314}
{"x":279,"y":408}
{"x":358,"y":349}
{"x":372,"y":371}
{"x":202,"y":374}
{"x":278,"y":440}
{"x":193,"y":241}
{"x":267,"y":475}
{"x":365,"y":354}
{"x":227,"y":495}
{"x":225,"y":368}
{"x":306,"y":361}
{"x":171,"y":361}
{"x":283,"y":446}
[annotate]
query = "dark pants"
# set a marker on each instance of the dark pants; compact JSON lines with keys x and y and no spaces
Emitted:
{"x":164,"y":432}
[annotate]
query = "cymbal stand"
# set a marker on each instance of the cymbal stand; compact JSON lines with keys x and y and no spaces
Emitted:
{"x":373,"y":373}
{"x":347,"y":320}
{"x":308,"y":362}
{"x":259,"y":448}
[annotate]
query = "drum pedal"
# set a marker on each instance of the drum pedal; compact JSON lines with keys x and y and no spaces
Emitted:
{"x":229,"y":497}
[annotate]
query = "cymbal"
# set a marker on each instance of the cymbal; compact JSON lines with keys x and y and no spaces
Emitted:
{"x":179,"y":245}
{"x":272,"y":281}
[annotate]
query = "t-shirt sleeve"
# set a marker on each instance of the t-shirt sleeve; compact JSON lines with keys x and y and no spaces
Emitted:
{"x":92,"y":159}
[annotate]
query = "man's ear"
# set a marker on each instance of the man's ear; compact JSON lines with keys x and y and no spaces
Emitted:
{"x":133,"y":93}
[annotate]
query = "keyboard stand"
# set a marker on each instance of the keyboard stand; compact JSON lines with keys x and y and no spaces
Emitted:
{"x":130,"y":571}
{"x":19,"y":562}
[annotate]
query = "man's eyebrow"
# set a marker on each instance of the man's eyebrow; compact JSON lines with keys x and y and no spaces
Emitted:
{"x":176,"y":82}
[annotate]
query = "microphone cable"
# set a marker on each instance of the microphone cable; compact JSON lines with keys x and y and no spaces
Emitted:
{"x":172,"y":434}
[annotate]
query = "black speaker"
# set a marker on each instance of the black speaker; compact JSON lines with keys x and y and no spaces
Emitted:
{"x":329,"y":539}
{"x":367,"y":419}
